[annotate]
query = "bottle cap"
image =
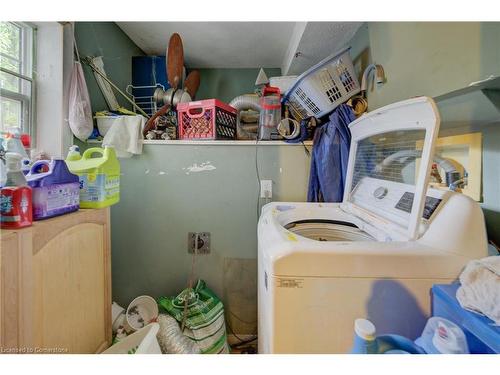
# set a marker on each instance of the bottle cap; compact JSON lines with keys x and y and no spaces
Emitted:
{"x":364,"y":329}
{"x":26,"y":140}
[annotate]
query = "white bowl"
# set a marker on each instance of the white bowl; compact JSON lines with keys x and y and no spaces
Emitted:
{"x":104,"y":123}
{"x":141,"y":311}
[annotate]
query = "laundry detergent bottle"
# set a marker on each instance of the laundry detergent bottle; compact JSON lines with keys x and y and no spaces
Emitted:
{"x":55,"y":189}
{"x":99,"y":174}
{"x":16,"y":209}
{"x":366,"y":341}
{"x":364,"y":337}
{"x":73,"y":153}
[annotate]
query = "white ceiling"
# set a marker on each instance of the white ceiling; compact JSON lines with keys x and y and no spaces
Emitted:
{"x":216,"y":44}
{"x":320,"y":40}
{"x":245,"y":44}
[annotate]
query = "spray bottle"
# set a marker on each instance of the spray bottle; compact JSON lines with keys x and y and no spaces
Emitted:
{"x":15,"y":175}
{"x":3,"y":167}
{"x":16,"y":197}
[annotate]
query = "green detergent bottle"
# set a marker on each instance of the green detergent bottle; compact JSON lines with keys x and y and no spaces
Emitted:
{"x":73,"y":153}
{"x":99,"y":177}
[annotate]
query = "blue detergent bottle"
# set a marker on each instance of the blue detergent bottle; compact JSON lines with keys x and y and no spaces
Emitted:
{"x":366,"y":341}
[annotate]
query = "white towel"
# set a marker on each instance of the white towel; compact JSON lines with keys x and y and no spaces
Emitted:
{"x":480,"y":289}
{"x":125,"y":135}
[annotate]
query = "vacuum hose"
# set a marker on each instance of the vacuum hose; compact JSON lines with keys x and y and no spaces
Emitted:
{"x":171,"y":338}
{"x":412,"y":154}
{"x":243,"y":103}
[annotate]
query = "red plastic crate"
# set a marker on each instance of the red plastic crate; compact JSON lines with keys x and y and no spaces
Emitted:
{"x":206,"y":119}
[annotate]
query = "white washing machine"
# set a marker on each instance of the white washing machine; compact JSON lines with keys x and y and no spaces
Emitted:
{"x":376,"y":254}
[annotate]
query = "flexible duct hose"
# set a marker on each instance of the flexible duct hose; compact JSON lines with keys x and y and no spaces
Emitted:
{"x":172,"y":340}
{"x":242,"y":103}
{"x":245,"y":102}
{"x":413,"y":154}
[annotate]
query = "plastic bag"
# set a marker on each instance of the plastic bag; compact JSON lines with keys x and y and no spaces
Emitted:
{"x":80,"y":113}
{"x":204,"y":317}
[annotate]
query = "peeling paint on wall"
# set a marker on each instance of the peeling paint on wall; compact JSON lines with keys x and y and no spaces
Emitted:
{"x":203,"y":167}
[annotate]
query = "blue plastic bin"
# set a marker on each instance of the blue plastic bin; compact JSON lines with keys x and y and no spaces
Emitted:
{"x":149,"y":71}
{"x":483,"y":337}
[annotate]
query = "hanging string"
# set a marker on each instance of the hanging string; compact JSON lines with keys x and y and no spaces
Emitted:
{"x":75,"y":47}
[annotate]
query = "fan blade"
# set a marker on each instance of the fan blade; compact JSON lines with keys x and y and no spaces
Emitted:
{"x":175,"y":60}
{"x":192,"y":83}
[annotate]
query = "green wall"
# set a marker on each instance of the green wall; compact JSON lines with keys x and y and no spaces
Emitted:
{"x":434,"y":58}
{"x":106,"y":39}
{"x":160,"y":202}
{"x":226,"y":84}
{"x":425,"y":58}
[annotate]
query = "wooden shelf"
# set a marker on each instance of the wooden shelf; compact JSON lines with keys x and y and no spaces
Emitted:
{"x":471,"y":108}
{"x":179,"y":142}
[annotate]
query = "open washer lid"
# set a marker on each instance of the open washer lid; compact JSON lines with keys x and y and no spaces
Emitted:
{"x":389,"y":166}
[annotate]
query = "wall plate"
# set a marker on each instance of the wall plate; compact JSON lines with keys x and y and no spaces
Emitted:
{"x":203,"y":242}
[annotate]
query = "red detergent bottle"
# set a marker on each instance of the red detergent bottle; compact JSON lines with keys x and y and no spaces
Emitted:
{"x":16,"y":209}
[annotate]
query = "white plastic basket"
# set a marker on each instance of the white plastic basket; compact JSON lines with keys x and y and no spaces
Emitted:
{"x":320,"y":89}
{"x":142,"y":341}
{"x":282,"y":82}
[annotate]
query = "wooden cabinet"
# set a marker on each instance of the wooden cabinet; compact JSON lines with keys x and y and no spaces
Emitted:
{"x":55,"y":285}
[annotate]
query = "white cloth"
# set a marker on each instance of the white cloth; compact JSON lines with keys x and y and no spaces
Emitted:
{"x":125,"y":135}
{"x":480,"y":289}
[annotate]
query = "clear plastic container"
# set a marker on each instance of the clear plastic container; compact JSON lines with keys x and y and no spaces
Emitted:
{"x":15,"y":175}
{"x":270,"y":112}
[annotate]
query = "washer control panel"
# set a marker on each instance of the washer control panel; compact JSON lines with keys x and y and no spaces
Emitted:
{"x":380,"y":192}
{"x":406,"y":201}
{"x":392,"y":200}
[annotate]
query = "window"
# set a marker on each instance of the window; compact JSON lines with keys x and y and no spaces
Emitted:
{"x":16,"y":77}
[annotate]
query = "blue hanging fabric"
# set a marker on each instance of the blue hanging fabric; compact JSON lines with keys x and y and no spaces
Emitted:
{"x":330,"y":156}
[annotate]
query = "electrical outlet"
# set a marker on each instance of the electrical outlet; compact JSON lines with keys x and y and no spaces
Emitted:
{"x":203,"y":246}
{"x":266,"y":188}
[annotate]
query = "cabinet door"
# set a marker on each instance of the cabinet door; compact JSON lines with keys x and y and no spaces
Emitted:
{"x":15,"y":327}
{"x":70,"y":290}
{"x":9,"y":290}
